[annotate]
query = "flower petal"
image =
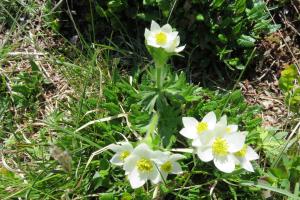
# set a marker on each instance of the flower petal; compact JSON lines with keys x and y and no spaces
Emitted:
{"x":114,"y":147}
{"x":233,"y":128}
{"x":251,"y":154}
{"x":176,"y":168}
{"x":190,"y":133}
{"x":223,"y":121}
{"x":246,"y":165}
{"x":225,"y":163}
{"x":179,"y":49}
{"x":143,"y":150}
{"x":116,"y":160}
{"x":189,"y":122}
{"x":211,"y":119}
{"x":130,"y":163}
{"x":205,"y":154}
{"x":154,"y":176}
{"x":175,"y":157}
{"x":147,"y":33}
{"x":167,"y":28}
{"x":135,"y":179}
{"x":154,"y":26}
{"x":235,"y":141}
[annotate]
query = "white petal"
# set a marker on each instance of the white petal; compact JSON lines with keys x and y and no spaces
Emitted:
{"x":179,"y":49}
{"x":176,"y":157}
{"x":225,"y":164}
{"x":190,"y":133}
{"x":160,"y":157}
{"x":152,"y":42}
{"x":189,"y":122}
{"x":211,"y":119}
{"x":223,"y":121}
{"x":114,"y":147}
{"x":116,"y":160}
{"x":147,"y":33}
{"x":233,"y":128}
{"x":235,"y":141}
{"x":251,"y":154}
{"x":143,"y":150}
{"x":135,"y":179}
{"x":176,"y":168}
{"x":197,"y":143}
{"x":166,"y":28}
{"x":126,"y":147}
{"x":154,"y":176}
{"x":130,"y":163}
{"x":246,"y":165}
{"x":205,"y":154}
{"x":154,"y":26}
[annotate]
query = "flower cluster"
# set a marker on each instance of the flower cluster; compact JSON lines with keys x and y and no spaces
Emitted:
{"x":220,"y":142}
{"x":142,"y":163}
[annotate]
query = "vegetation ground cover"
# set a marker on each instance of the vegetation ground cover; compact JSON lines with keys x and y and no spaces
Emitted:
{"x":77,"y":77}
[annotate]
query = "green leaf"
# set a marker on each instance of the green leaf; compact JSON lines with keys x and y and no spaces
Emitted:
{"x":246,"y":41}
{"x":288,"y":77}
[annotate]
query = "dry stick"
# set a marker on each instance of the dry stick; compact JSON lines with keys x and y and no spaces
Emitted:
{"x":101,"y":120}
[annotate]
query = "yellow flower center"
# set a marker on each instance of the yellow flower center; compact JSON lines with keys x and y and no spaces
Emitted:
{"x":161,"y":38}
{"x":220,"y":147}
{"x":202,"y":126}
{"x":167,"y":167}
{"x":144,"y":165}
{"x":242,"y":152}
{"x":124,"y":155}
{"x":228,"y":129}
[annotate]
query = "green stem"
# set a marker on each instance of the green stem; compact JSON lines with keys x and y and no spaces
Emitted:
{"x":159,"y":78}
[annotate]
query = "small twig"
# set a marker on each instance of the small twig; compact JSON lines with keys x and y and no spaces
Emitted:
{"x":17,"y":53}
{"x":101,"y":120}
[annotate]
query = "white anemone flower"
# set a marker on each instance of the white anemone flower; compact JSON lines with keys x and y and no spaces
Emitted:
{"x":229,"y":128}
{"x":140,"y":166}
{"x":163,"y":37}
{"x":168,"y":163}
{"x":221,"y":150}
{"x":244,"y":156}
{"x":195,"y":130}
{"x":122,"y":152}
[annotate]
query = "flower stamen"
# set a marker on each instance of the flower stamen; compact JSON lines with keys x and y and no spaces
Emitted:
{"x":161,"y":38}
{"x":201,"y":127}
{"x":220,"y":147}
{"x":242,"y":152}
{"x":124,"y":155}
{"x":144,"y":165}
{"x":167,"y":167}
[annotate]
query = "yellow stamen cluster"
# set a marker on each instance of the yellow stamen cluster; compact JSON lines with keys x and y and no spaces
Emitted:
{"x":124,"y":155}
{"x":167,"y":167}
{"x":201,"y":127}
{"x":242,"y":152}
{"x":144,"y":165}
{"x":161,"y":38}
{"x":220,"y":147}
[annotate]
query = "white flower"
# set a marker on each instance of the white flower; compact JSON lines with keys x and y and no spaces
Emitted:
{"x":122,"y":152}
{"x":194,"y":129}
{"x":163,"y":37}
{"x":244,"y":156}
{"x":140,"y":166}
{"x":167,"y":163}
{"x":231,"y":128}
{"x":220,"y":149}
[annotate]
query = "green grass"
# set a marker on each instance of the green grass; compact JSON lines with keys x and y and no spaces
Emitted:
{"x":55,"y":155}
